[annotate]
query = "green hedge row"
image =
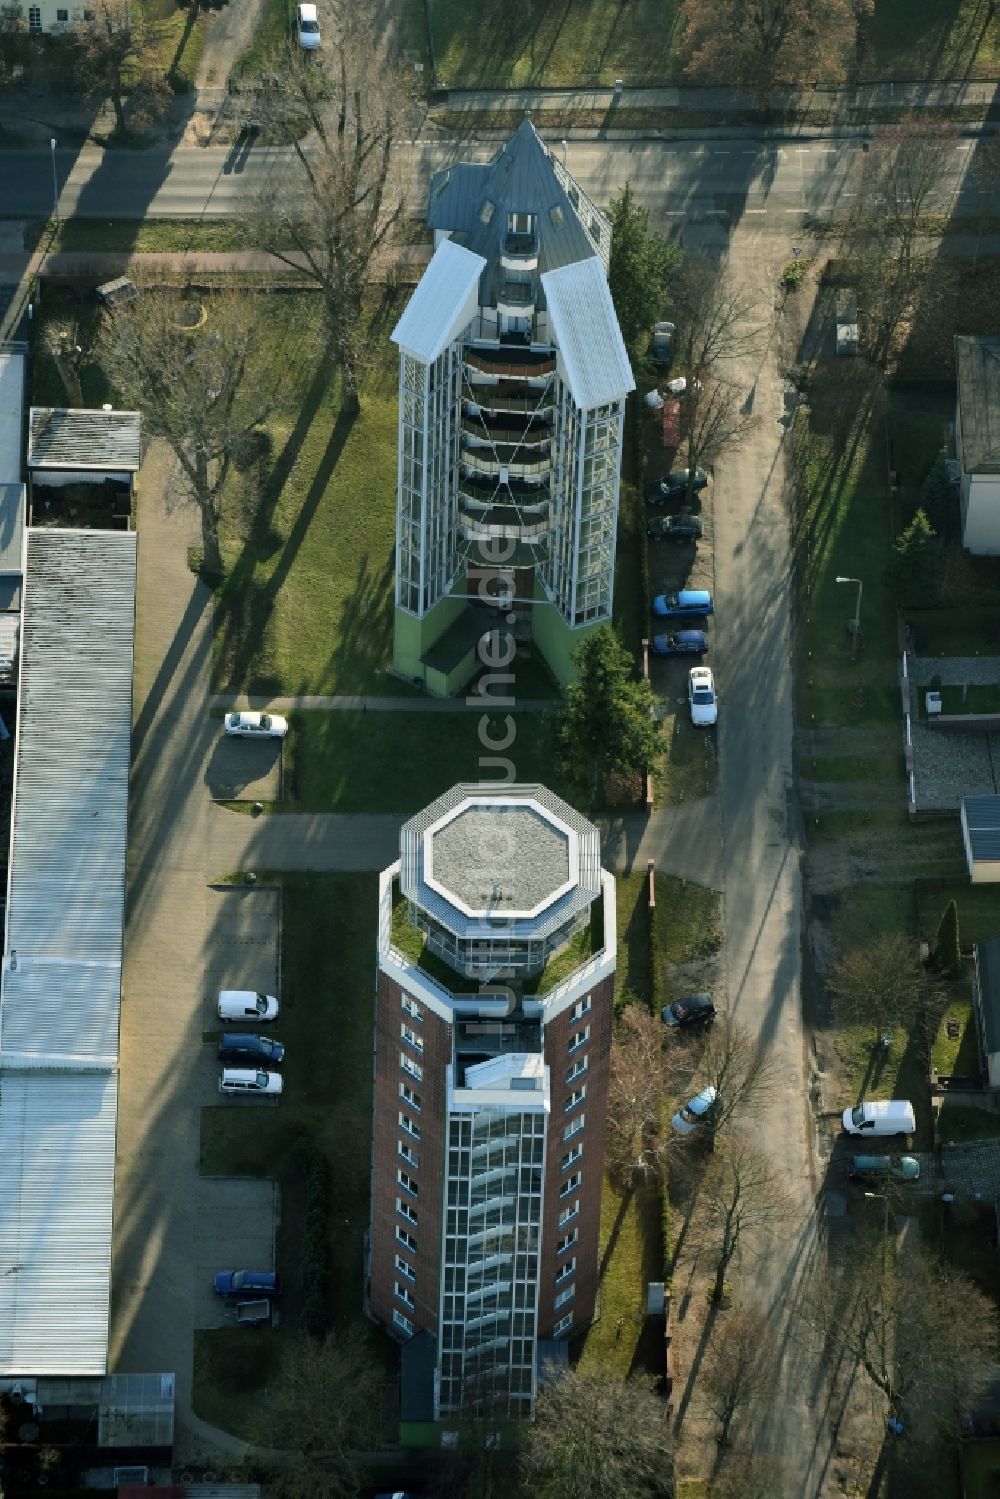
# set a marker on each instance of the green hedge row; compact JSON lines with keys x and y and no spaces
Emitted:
{"x":316,"y":1249}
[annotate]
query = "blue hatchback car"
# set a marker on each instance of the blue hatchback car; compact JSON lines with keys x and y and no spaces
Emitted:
{"x":246,"y":1283}
{"x":247,"y":1048}
{"x":680,"y":643}
{"x":682,"y":605}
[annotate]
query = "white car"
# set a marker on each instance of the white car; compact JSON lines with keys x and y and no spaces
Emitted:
{"x":256,"y":725}
{"x":695,"y":1112}
{"x":246,"y":1005}
{"x":307,"y":27}
{"x":702,"y":700}
{"x":249,"y":1080}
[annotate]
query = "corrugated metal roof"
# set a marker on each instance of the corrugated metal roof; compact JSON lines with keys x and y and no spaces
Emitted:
{"x":445,"y":300}
{"x":982,"y":818}
{"x":57,"y":1176}
{"x":587,"y":333}
{"x":61,"y":984}
{"x":12,"y":508}
{"x":978,"y":362}
{"x":13,"y":367}
{"x":59,"y":437}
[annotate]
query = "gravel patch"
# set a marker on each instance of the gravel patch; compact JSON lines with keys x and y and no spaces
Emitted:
{"x":954,"y":671}
{"x":501,"y":858}
{"x":949,"y":764}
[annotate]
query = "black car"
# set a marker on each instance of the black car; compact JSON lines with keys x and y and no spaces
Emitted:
{"x":674,"y":484}
{"x":691,"y":1010}
{"x":661,"y":346}
{"x":680,"y":643}
{"x":253,"y":1049}
{"x":674,"y":528}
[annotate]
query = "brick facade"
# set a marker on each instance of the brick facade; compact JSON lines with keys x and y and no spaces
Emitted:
{"x":436,"y":1035}
{"x":559,"y":1060}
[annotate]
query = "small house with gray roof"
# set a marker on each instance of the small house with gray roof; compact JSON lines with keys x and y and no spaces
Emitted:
{"x":977,"y":436}
{"x":513,"y":376}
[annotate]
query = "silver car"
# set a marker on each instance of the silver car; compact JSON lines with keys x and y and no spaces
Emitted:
{"x":247,"y":725}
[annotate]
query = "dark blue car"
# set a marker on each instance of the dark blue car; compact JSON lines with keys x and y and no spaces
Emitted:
{"x":247,"y":1048}
{"x":246,"y":1283}
{"x":680,"y":643}
{"x":689,"y":601}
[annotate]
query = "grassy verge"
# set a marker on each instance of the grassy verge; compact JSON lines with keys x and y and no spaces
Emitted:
{"x":179,"y":39}
{"x":978,"y":909}
{"x":631,"y":1253}
{"x":354,"y":761}
{"x":687,"y":925}
{"x":141,"y":236}
{"x":957,"y":1122}
{"x":633,"y":975}
{"x":273,"y":31}
{"x":328,"y":951}
{"x":689,"y":767}
{"x":957,"y":1052}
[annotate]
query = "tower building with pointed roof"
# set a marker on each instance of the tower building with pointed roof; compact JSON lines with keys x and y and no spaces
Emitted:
{"x":513,"y":376}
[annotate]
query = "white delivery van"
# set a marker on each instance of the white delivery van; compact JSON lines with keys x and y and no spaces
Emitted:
{"x":246,"y":1005}
{"x":881,"y":1116}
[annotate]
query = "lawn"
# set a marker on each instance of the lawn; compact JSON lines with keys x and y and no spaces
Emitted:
{"x":517,"y":43}
{"x":273,"y":29}
{"x":687,"y":924}
{"x":353,"y":761}
{"x":957,"y":1122}
{"x":842,"y":528}
{"x":954,"y":632}
{"x":631,"y":1253}
{"x":179,"y":33}
{"x":980,"y":1463}
{"x":956,"y":1054}
{"x":873,"y":1073}
{"x":917,"y":39}
{"x":328,"y":949}
{"x":978,"y":909}
{"x":689,"y":767}
{"x":306,"y":603}
{"x":633,"y":972}
{"x":138,"y":236}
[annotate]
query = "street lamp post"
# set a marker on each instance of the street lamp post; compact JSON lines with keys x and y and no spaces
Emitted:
{"x":55,"y":182}
{"x":857,"y":615}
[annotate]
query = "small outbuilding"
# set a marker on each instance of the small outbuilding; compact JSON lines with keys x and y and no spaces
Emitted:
{"x":847,"y":321}
{"x":986,"y":1005}
{"x":977,"y":438}
{"x":67,"y":446}
{"x":980,"y":817}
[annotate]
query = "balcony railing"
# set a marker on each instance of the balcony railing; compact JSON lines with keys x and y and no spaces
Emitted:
{"x":522,"y":465}
{"x":517,"y":363}
{"x":503,"y":523}
{"x":500,"y":429}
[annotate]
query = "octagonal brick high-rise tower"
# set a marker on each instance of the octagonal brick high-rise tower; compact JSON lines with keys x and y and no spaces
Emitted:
{"x":496,"y":962}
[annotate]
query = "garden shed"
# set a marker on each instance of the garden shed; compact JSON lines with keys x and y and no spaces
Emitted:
{"x":67,"y":446}
{"x":981,"y":835}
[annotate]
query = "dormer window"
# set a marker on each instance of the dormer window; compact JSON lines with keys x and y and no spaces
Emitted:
{"x":486,"y":212}
{"x":520,"y":223}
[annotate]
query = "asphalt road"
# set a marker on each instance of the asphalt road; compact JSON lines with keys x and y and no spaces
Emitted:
{"x":680,"y":181}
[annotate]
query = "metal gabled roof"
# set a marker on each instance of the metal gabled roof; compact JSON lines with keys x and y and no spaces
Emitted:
{"x":13,"y":369}
{"x":59,"y":437}
{"x":13,"y":501}
{"x":444,"y":302}
{"x":978,"y":362}
{"x":586,"y":329}
{"x":982,"y":818}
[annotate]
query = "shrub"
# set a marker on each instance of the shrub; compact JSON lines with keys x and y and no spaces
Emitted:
{"x":946,"y":958}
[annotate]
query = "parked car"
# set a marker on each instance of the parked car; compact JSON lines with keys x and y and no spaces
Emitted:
{"x":680,"y":643}
{"x":674,"y":484}
{"x":307,"y":27}
{"x":249,"y":1080}
{"x":674,"y":528}
{"x":245,"y":1004}
{"x":661,"y":345}
{"x":697,"y":1111}
{"x":881,"y":1116}
{"x":879,"y":1168}
{"x":678,"y":386}
{"x":680,"y":605}
{"x":702,"y":700}
{"x":238,"y":1047}
{"x":691,"y":1010}
{"x":256,"y":725}
{"x":246,"y":1283}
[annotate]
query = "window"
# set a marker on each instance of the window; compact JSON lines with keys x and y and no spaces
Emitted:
{"x":563,"y":1325}
{"x":404,"y":1294}
{"x":407,"y":1155}
{"x":410,"y":1066}
{"x":571,"y":1157}
{"x":577,"y":1070}
{"x":581,"y":1008}
{"x":571,"y":1184}
{"x":566,"y":1242}
{"x":88,"y":15}
{"x":579,"y":1038}
{"x":405,"y":1325}
{"x":574,"y":1127}
{"x":412,"y":1008}
{"x":408,"y":1184}
{"x":410,"y":1037}
{"x":407,"y":1240}
{"x":405,"y":1211}
{"x":35,"y":18}
{"x":408,"y":1096}
{"x":563,"y":1273}
{"x":563,"y":1297}
{"x":575,"y":1099}
{"x":62,"y":15}
{"x":568,"y":1214}
{"x":407,"y":1271}
{"x":408,"y":1127}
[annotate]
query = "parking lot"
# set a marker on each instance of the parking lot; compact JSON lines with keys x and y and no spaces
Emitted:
{"x":237,"y":1223}
{"x":674,"y":565}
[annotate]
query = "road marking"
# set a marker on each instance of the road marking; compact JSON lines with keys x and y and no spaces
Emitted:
{"x":755,"y":210}
{"x":802,"y":150}
{"x":722,"y":153}
{"x":796,"y":210}
{"x":963,"y":148}
{"x":719,"y":211}
{"x":748,"y":153}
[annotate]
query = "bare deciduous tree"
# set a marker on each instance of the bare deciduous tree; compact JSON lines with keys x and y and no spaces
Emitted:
{"x":323,"y":1407}
{"x":740,"y":1365}
{"x":925,"y":1336}
{"x":714,"y":419}
{"x":635,"y":1098}
{"x":741,"y":1070}
{"x":741,"y":1193}
{"x":596,"y":1436}
{"x":717,"y":317}
{"x":883,"y":983}
{"x":116,"y":62}
{"x":769,"y":43}
{"x":333,"y":213}
{"x":200,"y":388}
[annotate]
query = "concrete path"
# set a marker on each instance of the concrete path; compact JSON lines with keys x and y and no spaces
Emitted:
{"x":418,"y":703}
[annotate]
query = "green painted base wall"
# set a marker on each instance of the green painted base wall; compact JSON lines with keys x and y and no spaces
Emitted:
{"x":411,"y":637}
{"x":554,"y":638}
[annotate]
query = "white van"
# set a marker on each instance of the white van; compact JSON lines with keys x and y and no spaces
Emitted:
{"x":882,"y":1116}
{"x":246,"y":1005}
{"x":248,"y":1080}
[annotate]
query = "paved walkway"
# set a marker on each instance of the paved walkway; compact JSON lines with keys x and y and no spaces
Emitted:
{"x":342,"y":702}
{"x":971,"y":1170}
